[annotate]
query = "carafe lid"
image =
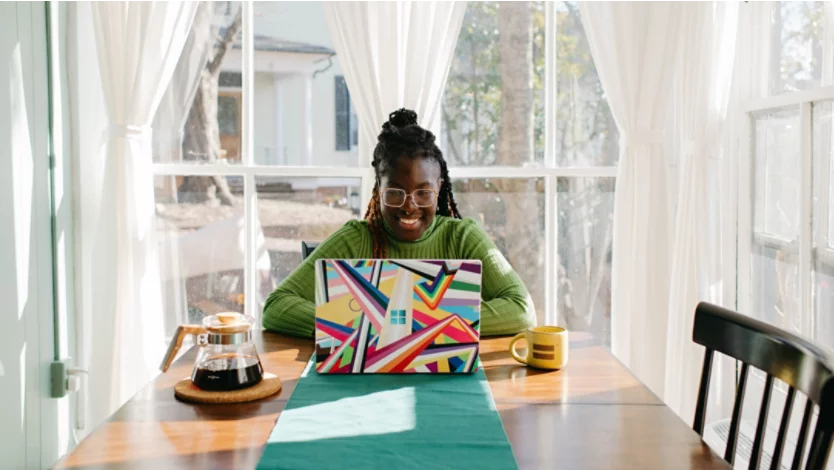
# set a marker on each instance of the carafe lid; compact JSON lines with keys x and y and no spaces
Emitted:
{"x":224,"y":323}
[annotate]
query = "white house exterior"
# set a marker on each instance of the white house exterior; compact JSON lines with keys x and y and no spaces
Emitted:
{"x":296,"y":73}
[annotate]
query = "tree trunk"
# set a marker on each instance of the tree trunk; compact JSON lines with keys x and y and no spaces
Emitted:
{"x":202,"y":133}
{"x":202,"y":143}
{"x":515,"y":143}
{"x":515,"y":30}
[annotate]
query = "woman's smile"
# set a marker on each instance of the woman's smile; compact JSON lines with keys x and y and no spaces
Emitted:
{"x":409,"y":222}
{"x":408,"y":178}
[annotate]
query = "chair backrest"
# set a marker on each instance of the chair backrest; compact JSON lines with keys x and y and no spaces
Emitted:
{"x":307,"y":248}
{"x":799,"y":363}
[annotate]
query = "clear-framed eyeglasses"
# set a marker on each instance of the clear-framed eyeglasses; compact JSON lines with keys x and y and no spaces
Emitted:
{"x":393,"y":197}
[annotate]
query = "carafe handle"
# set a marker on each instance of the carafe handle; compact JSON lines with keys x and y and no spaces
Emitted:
{"x":176,"y":343}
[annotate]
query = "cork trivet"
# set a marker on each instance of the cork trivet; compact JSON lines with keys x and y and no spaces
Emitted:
{"x":185,"y":390}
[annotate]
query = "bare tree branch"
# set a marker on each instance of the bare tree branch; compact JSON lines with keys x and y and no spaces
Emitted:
{"x":225,"y":43}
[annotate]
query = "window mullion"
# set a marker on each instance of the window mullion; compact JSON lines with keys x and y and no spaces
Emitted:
{"x":249,"y":191}
{"x":551,"y":250}
{"x":366,"y":188}
{"x":250,"y":276}
{"x":551,"y":84}
{"x":806,"y":220}
{"x":248,"y":84}
{"x":788,"y":99}
{"x":536,"y":172}
{"x":745,"y":215}
{"x":822,"y":180}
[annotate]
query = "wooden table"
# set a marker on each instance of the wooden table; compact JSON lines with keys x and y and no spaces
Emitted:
{"x":593,"y":414}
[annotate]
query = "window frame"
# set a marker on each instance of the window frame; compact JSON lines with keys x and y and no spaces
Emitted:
{"x":364,"y":171}
{"x":809,"y":228}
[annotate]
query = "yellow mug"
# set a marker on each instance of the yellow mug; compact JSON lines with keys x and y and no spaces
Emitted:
{"x":547,"y":347}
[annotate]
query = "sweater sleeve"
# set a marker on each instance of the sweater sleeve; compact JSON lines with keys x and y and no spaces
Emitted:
{"x":291,"y":308}
{"x":506,"y":306}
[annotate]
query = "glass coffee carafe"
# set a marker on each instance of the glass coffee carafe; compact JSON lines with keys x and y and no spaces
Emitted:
{"x":227,"y":358}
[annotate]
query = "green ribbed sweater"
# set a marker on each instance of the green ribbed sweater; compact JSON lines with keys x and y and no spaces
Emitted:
{"x":506,"y":306}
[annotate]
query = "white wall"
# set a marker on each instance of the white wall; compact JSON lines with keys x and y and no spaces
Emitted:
{"x":35,"y":426}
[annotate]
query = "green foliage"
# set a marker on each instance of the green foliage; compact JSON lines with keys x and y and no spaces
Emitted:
{"x":472,"y":100}
{"x":800,"y":32}
{"x":583,"y":118}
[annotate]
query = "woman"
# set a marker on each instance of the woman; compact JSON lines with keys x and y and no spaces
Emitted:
{"x":412,"y":215}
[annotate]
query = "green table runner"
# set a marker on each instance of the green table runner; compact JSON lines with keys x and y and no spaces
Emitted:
{"x":389,"y":421}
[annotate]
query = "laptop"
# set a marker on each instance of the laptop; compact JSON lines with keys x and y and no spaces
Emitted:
{"x":397,"y":316}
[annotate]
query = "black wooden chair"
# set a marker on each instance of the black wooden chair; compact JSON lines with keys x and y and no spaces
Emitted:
{"x":782,"y":355}
{"x":307,"y":248}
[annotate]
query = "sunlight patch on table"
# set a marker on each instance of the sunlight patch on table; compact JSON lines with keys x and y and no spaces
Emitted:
{"x":388,"y":412}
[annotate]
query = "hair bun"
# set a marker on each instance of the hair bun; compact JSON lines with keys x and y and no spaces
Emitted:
{"x":402,"y":117}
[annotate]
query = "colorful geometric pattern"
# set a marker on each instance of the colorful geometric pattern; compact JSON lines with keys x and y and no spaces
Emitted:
{"x":397,"y":316}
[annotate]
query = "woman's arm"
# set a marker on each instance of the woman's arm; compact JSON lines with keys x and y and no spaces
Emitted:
{"x":291,"y":308}
{"x":506,"y":306}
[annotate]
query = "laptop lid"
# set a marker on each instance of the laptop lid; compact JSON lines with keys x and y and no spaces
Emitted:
{"x":397,"y":316}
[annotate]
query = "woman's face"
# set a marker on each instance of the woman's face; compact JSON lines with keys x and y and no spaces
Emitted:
{"x":408,"y":174}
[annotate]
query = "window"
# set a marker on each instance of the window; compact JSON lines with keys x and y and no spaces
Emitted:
{"x":268,"y":155}
{"x":231,"y":226}
{"x":785,"y":266}
{"x":796,"y":46}
{"x":192,"y":107}
{"x":201,"y":251}
{"x":512,"y":210}
{"x":347,"y":124}
{"x":775,"y":256}
{"x":554,"y":229}
{"x":230,"y":80}
{"x":292,"y":210}
{"x":228,"y":122}
{"x":294,"y":97}
{"x":474,"y":108}
{"x":822,"y":321}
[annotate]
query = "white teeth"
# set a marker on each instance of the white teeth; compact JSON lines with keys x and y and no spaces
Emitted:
{"x":409,"y":221}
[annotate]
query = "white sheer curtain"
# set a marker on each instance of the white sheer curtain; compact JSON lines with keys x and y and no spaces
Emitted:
{"x":168,"y":132}
{"x":394,"y":54}
{"x":172,"y":112}
{"x":705,"y":77}
{"x":138,"y":45}
{"x":635,"y":47}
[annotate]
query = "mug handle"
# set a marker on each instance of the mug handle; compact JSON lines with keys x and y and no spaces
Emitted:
{"x":513,"y":352}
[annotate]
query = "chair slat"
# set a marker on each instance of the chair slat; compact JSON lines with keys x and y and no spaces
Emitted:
{"x":776,"y":461}
{"x":820,"y":446}
{"x":761,"y":427}
{"x":803,"y":435}
{"x":703,"y":393}
{"x":732,"y":439}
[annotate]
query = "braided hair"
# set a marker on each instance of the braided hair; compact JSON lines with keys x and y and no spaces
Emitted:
{"x":402,"y":136}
